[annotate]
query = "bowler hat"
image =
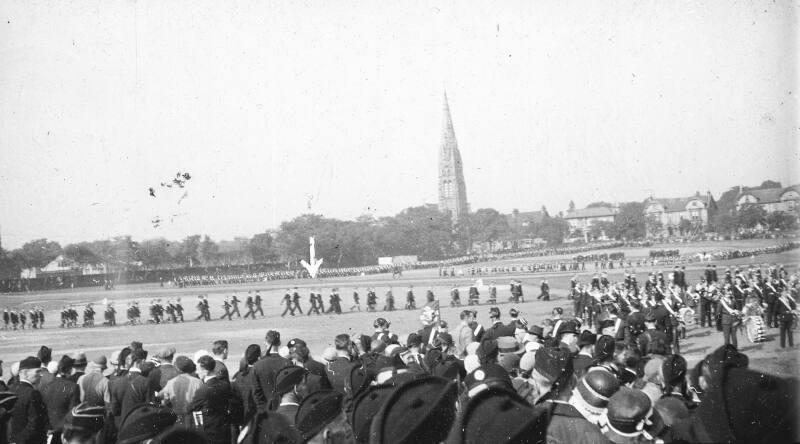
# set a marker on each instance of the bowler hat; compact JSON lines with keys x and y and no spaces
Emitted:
{"x":553,"y":363}
{"x":30,"y":363}
{"x":287,"y":378}
{"x":628,"y":409}
{"x":587,"y":338}
{"x":597,"y":386}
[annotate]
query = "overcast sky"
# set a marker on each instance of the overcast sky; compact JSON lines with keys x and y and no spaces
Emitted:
{"x":281,"y":108}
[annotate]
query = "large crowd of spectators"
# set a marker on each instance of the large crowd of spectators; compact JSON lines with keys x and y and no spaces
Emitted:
{"x":455,"y":381}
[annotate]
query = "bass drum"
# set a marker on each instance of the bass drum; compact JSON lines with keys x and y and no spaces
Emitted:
{"x":687,"y":315}
{"x":755,"y":329}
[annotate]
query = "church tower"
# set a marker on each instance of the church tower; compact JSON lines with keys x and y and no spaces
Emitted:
{"x":452,"y":189}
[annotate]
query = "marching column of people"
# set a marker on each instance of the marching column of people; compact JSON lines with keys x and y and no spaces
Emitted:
{"x":562,"y":379}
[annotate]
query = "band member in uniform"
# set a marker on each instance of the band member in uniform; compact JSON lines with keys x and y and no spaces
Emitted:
{"x":473,"y":295}
{"x":312,"y":299}
{"x":771,"y":294}
{"x":356,"y":301}
{"x":226,"y":305}
{"x":545,"y":287}
{"x":179,"y":309}
{"x":250,"y":305}
{"x":389,"y":306}
{"x":372,"y":299}
{"x":287,"y":300}
{"x":258,"y":301}
{"x":729,"y":319}
{"x":296,"y":301}
{"x":492,"y":293}
{"x":235,"y":306}
{"x":455,"y":297}
{"x":411,"y":303}
{"x":206,"y":309}
{"x":785,"y":314}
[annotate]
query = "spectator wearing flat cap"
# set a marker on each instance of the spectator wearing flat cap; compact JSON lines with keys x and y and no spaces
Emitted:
{"x":320,"y":418}
{"x":211,"y":403}
{"x":265,"y":370}
{"x":60,"y":396}
{"x":585,"y":358}
{"x":180,"y":390}
{"x":93,"y":384}
{"x":28,"y":421}
{"x":78,"y":367}
{"x":497,"y":328}
{"x":164,"y":370}
{"x":629,"y":413}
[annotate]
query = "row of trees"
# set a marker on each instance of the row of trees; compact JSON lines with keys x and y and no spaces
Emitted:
{"x":423,"y":231}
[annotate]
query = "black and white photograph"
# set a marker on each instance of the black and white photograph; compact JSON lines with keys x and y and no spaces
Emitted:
{"x":413,"y":222}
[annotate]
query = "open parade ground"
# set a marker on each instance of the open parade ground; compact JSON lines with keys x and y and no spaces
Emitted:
{"x":319,"y":331}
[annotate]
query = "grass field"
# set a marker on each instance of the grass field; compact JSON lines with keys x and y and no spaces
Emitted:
{"x":319,"y":331}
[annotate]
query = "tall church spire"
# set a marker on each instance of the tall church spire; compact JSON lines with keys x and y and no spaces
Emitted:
{"x":452,"y":189}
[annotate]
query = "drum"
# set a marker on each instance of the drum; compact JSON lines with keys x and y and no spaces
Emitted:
{"x":687,"y":316}
{"x":755,"y":329}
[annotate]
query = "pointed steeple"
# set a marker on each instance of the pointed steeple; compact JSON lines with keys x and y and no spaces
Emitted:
{"x":452,"y":189}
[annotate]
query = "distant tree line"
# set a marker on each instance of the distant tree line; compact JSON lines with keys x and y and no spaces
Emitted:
{"x":423,"y":231}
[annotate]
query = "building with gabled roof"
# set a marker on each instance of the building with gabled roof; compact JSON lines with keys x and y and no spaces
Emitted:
{"x":670,"y":212}
{"x":582,"y":219}
{"x":785,"y":199}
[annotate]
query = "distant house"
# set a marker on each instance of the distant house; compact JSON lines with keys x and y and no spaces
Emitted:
{"x":518,"y":220}
{"x":670,"y":212}
{"x":582,"y":219}
{"x":61,"y":266}
{"x":771,"y":199}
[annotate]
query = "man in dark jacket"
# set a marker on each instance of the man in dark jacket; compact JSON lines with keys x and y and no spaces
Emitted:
{"x":60,"y":396}
{"x":498,"y":328}
{"x":212,"y":401}
{"x":136,"y":386}
{"x":29,"y":417}
{"x":265,"y":370}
